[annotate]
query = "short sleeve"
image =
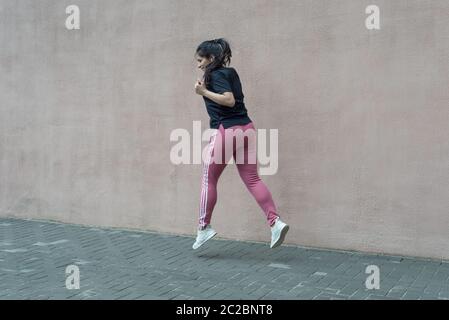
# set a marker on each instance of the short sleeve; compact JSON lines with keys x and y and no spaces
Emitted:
{"x":220,"y":83}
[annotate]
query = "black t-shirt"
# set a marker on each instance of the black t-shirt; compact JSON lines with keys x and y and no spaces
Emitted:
{"x":224,"y":79}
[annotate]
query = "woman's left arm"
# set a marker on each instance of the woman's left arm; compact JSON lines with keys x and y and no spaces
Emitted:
{"x":226,"y":99}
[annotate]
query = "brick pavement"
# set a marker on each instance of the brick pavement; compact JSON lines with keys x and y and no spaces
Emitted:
{"x":121,"y":264}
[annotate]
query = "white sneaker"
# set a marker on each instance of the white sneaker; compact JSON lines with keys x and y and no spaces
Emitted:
{"x":278,"y":232}
{"x":203,"y":236}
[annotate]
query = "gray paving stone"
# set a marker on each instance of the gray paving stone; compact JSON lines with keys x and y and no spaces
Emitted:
{"x":361,"y":294}
{"x":330,"y":296}
{"x":119,"y":264}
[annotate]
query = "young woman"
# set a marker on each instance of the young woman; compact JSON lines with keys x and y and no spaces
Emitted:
{"x":222,"y":93}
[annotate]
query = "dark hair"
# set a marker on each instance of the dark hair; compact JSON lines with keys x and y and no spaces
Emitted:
{"x":220,"y":49}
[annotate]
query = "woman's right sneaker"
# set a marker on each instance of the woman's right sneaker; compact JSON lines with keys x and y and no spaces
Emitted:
{"x":203,"y":236}
{"x":278,"y":232}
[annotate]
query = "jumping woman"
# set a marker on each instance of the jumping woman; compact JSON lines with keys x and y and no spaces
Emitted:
{"x":222,"y":93}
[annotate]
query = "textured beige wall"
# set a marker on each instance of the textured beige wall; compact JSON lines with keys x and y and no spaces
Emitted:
{"x":362,"y":115}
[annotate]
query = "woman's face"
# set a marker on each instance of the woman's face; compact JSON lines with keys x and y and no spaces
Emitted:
{"x":203,"y":62}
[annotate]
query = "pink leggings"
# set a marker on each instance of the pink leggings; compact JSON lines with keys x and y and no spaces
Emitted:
{"x":224,"y":143}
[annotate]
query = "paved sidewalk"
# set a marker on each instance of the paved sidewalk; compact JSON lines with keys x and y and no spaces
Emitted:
{"x":119,"y":264}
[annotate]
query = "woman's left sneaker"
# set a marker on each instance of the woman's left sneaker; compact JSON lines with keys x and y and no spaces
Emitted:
{"x":203,"y":236}
{"x":278,"y":232}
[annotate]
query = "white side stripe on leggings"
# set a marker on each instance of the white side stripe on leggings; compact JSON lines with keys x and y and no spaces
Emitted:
{"x":205,"y":182}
